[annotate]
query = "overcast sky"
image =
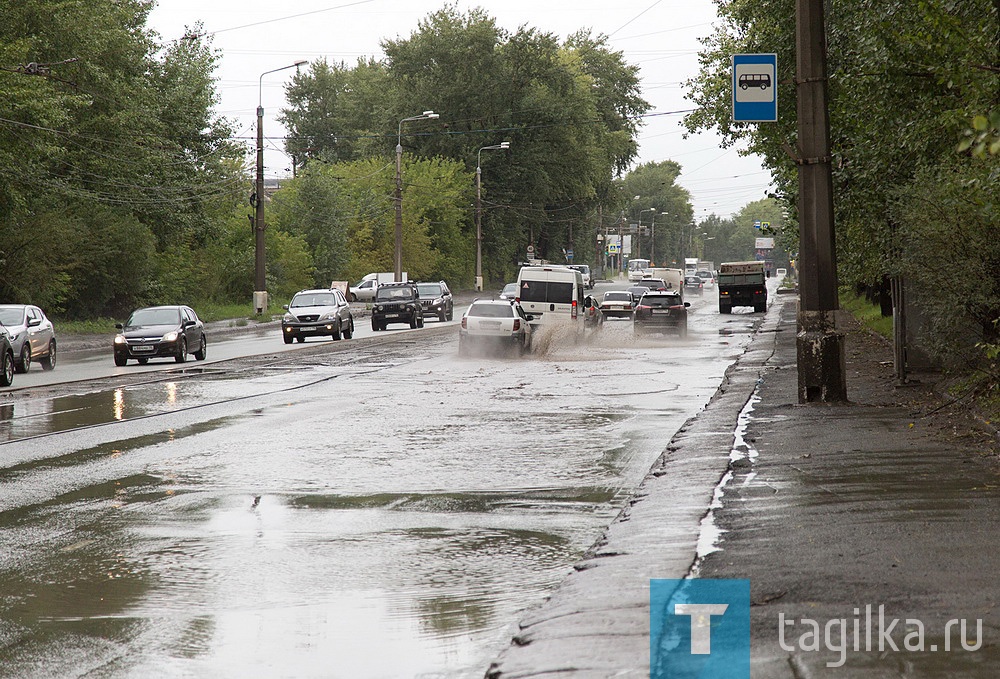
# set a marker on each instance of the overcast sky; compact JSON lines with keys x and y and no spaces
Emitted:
{"x":660,"y":36}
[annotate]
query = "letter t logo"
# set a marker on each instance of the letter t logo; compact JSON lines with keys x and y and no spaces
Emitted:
{"x":701,"y":624}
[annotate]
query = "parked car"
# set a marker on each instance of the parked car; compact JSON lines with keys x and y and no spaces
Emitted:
{"x":160,"y":332}
{"x":695,"y":285}
{"x":32,"y":337}
{"x":436,"y":300}
{"x":618,"y":304}
{"x":6,"y":359}
{"x":495,"y":322}
{"x":661,"y":311}
{"x":584,"y":269}
{"x":317,"y":313}
{"x":364,"y":291}
{"x":397,"y":303}
{"x":509,"y":291}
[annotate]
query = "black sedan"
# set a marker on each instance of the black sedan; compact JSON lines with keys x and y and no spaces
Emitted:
{"x":160,"y":332}
{"x":695,"y":285}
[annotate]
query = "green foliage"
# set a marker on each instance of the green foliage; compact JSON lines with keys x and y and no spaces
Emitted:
{"x":570,"y":112}
{"x":867,"y":313}
{"x":904,"y":80}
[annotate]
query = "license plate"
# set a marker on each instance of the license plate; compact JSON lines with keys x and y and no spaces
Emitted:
{"x":141,"y":348}
{"x":661,"y":311}
{"x":490,"y":325}
{"x":392,"y":315}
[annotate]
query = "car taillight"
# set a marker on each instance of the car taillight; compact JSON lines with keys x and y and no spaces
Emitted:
{"x":517,"y":324}
{"x":643,"y":307}
{"x":574,"y":310}
{"x":677,"y":306}
{"x":465,"y":325}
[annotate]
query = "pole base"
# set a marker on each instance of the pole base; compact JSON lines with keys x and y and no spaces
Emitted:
{"x":820,"y":353}
{"x":260,"y":301}
{"x":479,"y":283}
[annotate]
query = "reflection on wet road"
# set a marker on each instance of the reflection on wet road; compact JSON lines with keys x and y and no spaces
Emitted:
{"x":379,"y":515}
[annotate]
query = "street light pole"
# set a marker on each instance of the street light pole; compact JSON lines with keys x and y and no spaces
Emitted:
{"x":479,"y":210}
{"x":399,"y":191}
{"x":638,"y":235}
{"x":259,"y":272}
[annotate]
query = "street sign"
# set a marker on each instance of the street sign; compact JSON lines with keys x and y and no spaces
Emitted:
{"x":755,"y":91}
{"x":614,"y":248}
{"x":756,"y":224}
{"x":531,"y":252}
{"x":569,"y":254}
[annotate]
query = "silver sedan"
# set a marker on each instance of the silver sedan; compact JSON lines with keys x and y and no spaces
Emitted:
{"x":32,"y":337}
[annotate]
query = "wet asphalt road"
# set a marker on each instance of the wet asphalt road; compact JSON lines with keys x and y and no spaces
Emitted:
{"x":370,"y":508}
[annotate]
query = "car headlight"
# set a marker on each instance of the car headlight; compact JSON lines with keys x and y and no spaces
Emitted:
{"x":378,"y":307}
{"x":119,"y":339}
{"x":170,"y":336}
{"x":288,"y":318}
{"x":328,"y":316}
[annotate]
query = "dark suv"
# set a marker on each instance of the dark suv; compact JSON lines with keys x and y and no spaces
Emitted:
{"x":435,"y":300}
{"x":397,"y":303}
{"x":661,"y":311}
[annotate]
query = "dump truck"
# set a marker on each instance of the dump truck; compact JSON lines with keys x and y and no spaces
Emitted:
{"x":742,"y":284}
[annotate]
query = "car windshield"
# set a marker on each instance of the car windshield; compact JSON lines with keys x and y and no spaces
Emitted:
{"x":660,"y":301}
{"x":431,"y":290}
{"x":618,"y":297}
{"x":705,"y":274}
{"x":388,"y":294}
{"x":155,"y":317}
{"x":491,"y":310}
{"x":12,"y":316}
{"x":314,"y":299}
{"x":693,"y":280}
{"x":509,"y":289}
{"x":651,"y":283}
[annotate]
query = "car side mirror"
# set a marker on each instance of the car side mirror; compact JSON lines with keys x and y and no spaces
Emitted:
{"x":33,"y":322}
{"x":687,"y":304}
{"x":285,"y":307}
{"x":529,"y":317}
{"x":187,"y":324}
{"x":119,"y":326}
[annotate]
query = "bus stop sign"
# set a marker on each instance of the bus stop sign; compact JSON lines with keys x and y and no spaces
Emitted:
{"x":755,"y":91}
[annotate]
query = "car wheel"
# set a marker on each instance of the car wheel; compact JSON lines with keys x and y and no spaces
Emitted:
{"x":443,"y":316}
{"x":202,"y":349}
{"x":451,"y":313}
{"x":375,"y":327}
{"x":413,"y":322}
{"x":288,"y":338}
{"x":24,"y":360}
{"x":420,"y":321}
{"x":725,"y":308}
{"x":336,"y":332}
{"x":7,"y":371}
{"x":49,"y":361}
{"x":143,"y":360}
{"x":349,"y":333}
{"x":300,"y":339}
{"x":182,"y":352}
{"x":120,"y":360}
{"x":760,"y":308}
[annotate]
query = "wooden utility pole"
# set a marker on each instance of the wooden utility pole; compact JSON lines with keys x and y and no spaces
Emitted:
{"x":820,"y":347}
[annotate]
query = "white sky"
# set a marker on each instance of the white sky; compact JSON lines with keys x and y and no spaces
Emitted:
{"x":660,"y":36}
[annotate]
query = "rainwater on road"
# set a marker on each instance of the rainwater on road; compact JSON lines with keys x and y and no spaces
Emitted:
{"x":379,"y":510}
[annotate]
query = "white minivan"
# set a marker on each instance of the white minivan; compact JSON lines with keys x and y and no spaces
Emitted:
{"x":551,"y":294}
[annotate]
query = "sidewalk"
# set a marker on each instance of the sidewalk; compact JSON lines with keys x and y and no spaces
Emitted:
{"x":829,"y":509}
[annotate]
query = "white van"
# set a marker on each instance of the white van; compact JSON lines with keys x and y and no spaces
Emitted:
{"x":551,"y":294}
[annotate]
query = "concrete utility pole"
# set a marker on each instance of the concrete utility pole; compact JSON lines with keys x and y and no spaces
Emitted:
{"x":820,"y":348}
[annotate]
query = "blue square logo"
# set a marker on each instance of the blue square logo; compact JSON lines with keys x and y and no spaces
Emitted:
{"x":699,"y":629}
